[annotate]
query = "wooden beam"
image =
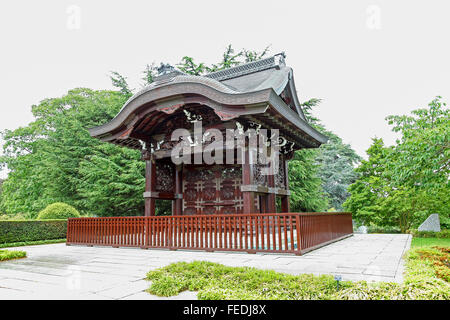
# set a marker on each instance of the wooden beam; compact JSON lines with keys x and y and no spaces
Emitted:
{"x":163,"y":195}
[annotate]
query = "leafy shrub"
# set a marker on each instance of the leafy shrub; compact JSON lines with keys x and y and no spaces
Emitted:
{"x":377,"y":229}
{"x":372,"y":228}
{"x":439,"y":258}
{"x":9,"y":255}
{"x":58,"y":210}
{"x":430,"y":242}
{"x":426,"y":277}
{"x":445,"y":222}
{"x":32,"y":230}
{"x":430,"y":234}
{"x":218,"y":282}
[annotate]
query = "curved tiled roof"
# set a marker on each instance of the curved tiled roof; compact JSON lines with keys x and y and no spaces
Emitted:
{"x":223,"y":80}
{"x":184,"y":79}
{"x":253,"y":83}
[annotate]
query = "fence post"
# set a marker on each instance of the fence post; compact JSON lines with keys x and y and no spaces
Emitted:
{"x":299,"y":242}
{"x":170,"y":226}
{"x":68,"y":235}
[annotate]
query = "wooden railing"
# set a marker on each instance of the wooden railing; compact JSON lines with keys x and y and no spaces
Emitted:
{"x":282,"y":232}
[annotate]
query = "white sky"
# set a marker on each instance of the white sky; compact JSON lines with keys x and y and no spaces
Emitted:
{"x":365,"y":59}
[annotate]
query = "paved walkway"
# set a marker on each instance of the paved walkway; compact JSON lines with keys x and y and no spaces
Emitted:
{"x":57,"y":271}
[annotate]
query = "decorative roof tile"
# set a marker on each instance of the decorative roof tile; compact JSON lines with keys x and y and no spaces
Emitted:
{"x":251,"y":67}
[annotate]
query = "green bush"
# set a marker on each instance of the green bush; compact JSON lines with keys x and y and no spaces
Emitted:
{"x":58,"y":210}
{"x":10,"y":255}
{"x":32,"y":230}
{"x":377,"y":229}
{"x":430,"y":242}
{"x":424,"y":280}
{"x":430,"y":234}
{"x":445,"y":221}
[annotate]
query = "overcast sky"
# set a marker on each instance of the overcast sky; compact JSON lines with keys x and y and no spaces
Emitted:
{"x":365,"y":59}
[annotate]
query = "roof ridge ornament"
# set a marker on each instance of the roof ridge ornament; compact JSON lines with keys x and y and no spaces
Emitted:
{"x":165,"y":68}
{"x":166,"y":72}
{"x":280,"y":58}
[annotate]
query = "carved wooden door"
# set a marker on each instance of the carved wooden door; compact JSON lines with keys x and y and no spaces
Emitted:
{"x":212,"y":190}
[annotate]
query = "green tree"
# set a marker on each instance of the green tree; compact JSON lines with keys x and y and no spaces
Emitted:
{"x":421,"y":162}
{"x":1,"y":183}
{"x":121,"y":82}
{"x":46,"y":157}
{"x":112,"y":181}
{"x":401,"y":185}
{"x":187,"y":65}
{"x":230,"y":58}
{"x":306,"y":190}
{"x":422,"y":157}
{"x":368,"y":191}
{"x":251,"y":55}
{"x":336,"y":160}
{"x":149,"y":74}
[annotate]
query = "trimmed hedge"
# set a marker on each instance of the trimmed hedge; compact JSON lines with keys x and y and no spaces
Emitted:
{"x":32,"y":230}
{"x":430,"y":234}
{"x":30,"y":243}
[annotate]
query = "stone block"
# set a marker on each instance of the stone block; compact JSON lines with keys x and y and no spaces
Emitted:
{"x":431,"y":224}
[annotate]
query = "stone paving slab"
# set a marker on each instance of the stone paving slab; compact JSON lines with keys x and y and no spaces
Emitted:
{"x":57,"y":271}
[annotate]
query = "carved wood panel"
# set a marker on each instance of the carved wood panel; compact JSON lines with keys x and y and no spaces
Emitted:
{"x":259,"y":178}
{"x":212,"y":189}
{"x":280,"y":177}
{"x":165,"y":177}
{"x":182,"y":119}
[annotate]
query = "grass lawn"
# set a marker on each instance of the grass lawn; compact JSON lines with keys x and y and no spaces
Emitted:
{"x":426,"y":277}
{"x":427,"y":242}
{"x":30,"y":243}
{"x":9,"y":255}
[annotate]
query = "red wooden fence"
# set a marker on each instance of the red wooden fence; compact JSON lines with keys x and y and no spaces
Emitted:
{"x":281,"y":232}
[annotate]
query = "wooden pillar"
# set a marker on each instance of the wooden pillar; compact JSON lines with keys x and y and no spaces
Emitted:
{"x":178,"y":202}
{"x":271,"y":197}
{"x":262,"y":203}
{"x":247,"y":180}
{"x":150,"y":184}
{"x":285,"y":204}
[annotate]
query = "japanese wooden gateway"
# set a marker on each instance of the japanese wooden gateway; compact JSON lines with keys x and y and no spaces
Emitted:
{"x":224,"y":205}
